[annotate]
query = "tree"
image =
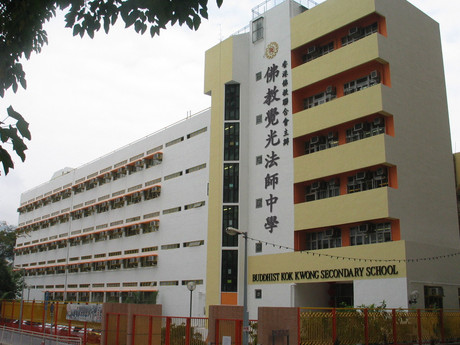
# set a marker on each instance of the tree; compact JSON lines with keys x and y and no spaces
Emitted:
{"x":21,"y":33}
{"x":10,"y":282}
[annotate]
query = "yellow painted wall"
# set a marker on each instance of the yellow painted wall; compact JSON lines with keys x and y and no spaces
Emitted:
{"x":330,"y":259}
{"x":341,"y":159}
{"x":327,"y":17}
{"x":218,"y":71}
{"x":343,"y":209}
{"x":343,"y":59}
{"x":341,"y":110}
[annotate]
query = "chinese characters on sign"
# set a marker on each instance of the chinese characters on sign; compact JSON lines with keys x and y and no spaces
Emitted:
{"x":276,"y":103}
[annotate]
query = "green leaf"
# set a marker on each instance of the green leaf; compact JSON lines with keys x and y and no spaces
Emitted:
{"x":23,"y":128}
{"x":219,"y":3}
{"x":6,"y":160}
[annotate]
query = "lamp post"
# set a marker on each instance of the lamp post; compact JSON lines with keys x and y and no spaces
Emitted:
{"x":235,"y":232}
{"x":191,"y":286}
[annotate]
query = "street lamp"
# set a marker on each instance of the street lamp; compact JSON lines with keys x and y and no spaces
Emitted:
{"x":23,"y":271}
{"x":235,"y":232}
{"x":191,"y":286}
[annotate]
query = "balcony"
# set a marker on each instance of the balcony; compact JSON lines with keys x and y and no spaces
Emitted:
{"x":344,"y":209}
{"x":340,"y":159}
{"x":341,"y":110}
{"x":338,"y":61}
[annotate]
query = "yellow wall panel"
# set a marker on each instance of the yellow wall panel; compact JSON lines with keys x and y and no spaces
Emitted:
{"x":343,"y":209}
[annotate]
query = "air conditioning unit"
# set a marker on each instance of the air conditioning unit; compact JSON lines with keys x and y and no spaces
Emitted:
{"x":330,"y":90}
{"x":331,"y":135}
{"x":139,"y":163}
{"x":333,"y":182}
{"x":358,"y":127}
{"x":314,"y":140}
{"x":312,"y":50}
{"x":378,"y":121}
{"x":363,"y":228}
{"x":380,"y":172}
{"x":315,"y":185}
{"x":329,"y":232}
{"x":374,"y":75}
{"x":360,"y":175}
{"x":354,"y":31}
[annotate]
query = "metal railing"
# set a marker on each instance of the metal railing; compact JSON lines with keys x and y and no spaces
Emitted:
{"x":13,"y":336}
{"x":372,"y":326}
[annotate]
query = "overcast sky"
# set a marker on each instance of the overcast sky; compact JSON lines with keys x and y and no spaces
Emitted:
{"x":86,"y":98}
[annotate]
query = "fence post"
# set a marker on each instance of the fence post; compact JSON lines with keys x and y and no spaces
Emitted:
{"x":168,"y":331}
{"x":150,"y":330}
{"x":441,"y":324}
{"x":32,"y":313}
{"x":118,"y":330}
{"x":187,"y":331}
{"x":334,"y":325}
{"x":395,"y":329}
{"x":44,"y":316}
{"x":133,"y":330}
{"x":3,"y":311}
{"x":366,"y":326}
{"x":298,"y":326}
{"x":217,"y":332}
{"x":419,"y":327}
{"x":85,"y":332}
{"x":106,"y":333}
{"x":238,"y":332}
{"x":12,"y":311}
{"x":56,"y":311}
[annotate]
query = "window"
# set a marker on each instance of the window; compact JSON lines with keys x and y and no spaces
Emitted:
{"x":322,"y":190}
{"x":329,"y":238}
{"x":229,"y":219}
{"x":323,"y":97}
{"x":370,"y":233}
{"x":366,"y":180}
{"x":231,"y":141}
{"x":231,"y":180}
{"x":229,"y":270}
{"x":193,"y":243}
{"x":259,"y":119}
{"x":169,"y":283}
{"x":259,"y":203}
{"x":257,"y":29}
{"x":259,"y":247}
{"x":195,"y":168}
{"x":193,"y":134}
{"x":258,"y":160}
{"x":170,"y":246}
{"x":194,"y":205}
{"x":150,"y":226}
{"x":316,"y":51}
{"x":356,"y":33}
{"x":258,"y":76}
{"x":361,"y":83}
{"x":172,"y":210}
{"x":434,"y":297}
{"x":321,"y":142}
{"x":171,"y":176}
{"x":366,"y":129}
{"x":148,"y":261}
{"x":232,"y":102}
{"x":175,"y":141}
{"x":258,"y":293}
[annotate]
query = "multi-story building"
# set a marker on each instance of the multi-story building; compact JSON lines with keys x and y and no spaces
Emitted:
{"x":327,"y":143}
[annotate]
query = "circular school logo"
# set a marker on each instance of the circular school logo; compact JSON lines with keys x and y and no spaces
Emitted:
{"x":271,"y":50}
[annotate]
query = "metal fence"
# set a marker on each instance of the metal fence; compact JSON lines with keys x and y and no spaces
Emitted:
{"x":158,"y":330}
{"x":14,"y":336}
{"x":50,"y":319}
{"x":373,"y":326}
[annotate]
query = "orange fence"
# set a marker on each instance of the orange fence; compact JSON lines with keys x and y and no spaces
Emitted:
{"x":371,"y":326}
{"x":50,"y":319}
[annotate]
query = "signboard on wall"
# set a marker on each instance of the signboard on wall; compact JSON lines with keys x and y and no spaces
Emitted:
{"x":84,"y":312}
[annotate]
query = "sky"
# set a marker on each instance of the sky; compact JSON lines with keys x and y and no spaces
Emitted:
{"x":88,"y":97}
